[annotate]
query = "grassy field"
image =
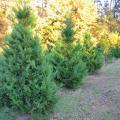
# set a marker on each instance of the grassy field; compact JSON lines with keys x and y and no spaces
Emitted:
{"x":97,"y":99}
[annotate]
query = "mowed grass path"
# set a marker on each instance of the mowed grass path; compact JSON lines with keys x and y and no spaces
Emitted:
{"x":97,"y":99}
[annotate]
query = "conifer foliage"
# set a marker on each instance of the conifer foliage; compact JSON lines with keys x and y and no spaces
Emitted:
{"x":92,"y":55}
{"x":68,"y":64}
{"x":116,"y":51}
{"x":26,"y":81}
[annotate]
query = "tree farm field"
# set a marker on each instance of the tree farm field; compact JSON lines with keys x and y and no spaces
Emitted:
{"x":97,"y":99}
{"x":59,"y":60}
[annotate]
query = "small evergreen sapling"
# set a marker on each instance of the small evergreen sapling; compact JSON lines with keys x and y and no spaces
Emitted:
{"x":68,"y":64}
{"x":92,"y":55}
{"x":26,"y":79}
{"x":115,"y":51}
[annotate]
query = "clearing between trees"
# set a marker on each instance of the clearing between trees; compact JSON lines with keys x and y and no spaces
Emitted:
{"x":97,"y":99}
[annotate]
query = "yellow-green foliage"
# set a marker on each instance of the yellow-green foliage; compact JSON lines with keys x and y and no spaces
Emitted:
{"x":92,"y":54}
{"x":3,"y":25}
{"x":85,"y":17}
{"x":109,"y":40}
{"x":50,"y":31}
{"x":106,"y":33}
{"x":83,"y":13}
{"x":112,"y":24}
{"x":3,"y":22}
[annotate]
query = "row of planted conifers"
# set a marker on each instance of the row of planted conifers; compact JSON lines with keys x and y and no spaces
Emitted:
{"x":29,"y":75}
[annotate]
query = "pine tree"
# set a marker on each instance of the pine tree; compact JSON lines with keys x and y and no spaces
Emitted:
{"x":26,"y":79}
{"x":68,"y":64}
{"x":92,"y":55}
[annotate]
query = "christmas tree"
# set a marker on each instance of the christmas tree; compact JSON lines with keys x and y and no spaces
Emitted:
{"x":92,"y":55}
{"x":26,"y":79}
{"x":68,"y":64}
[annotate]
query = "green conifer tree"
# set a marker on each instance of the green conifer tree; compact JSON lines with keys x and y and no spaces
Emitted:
{"x":115,"y":51}
{"x":26,"y":79}
{"x":68,"y":64}
{"x":92,"y":55}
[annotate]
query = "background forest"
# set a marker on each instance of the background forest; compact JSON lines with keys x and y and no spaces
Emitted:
{"x":100,"y":19}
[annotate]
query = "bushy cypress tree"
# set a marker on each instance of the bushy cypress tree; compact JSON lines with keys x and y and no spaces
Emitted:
{"x":115,"y":51}
{"x":26,"y":79}
{"x":68,"y":64}
{"x":92,"y":55}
